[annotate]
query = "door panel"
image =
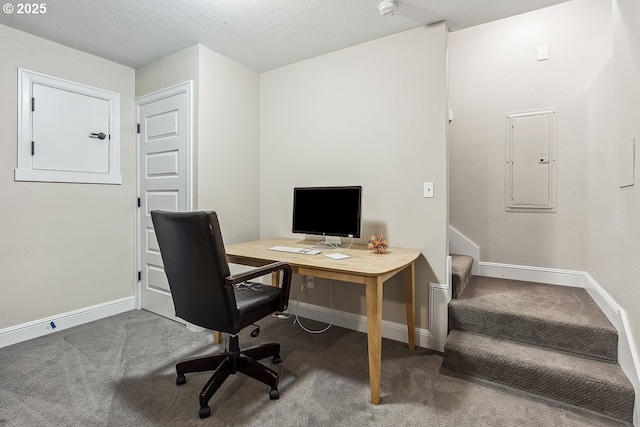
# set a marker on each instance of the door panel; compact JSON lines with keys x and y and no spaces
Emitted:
{"x":151,"y":242}
{"x":163,"y":125}
{"x":168,"y":200}
{"x":157,"y":279}
{"x":163,"y":164}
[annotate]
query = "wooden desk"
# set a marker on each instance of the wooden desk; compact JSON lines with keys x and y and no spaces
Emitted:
{"x":363,"y":267}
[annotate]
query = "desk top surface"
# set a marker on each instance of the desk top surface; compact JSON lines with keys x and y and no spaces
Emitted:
{"x":360,"y":261}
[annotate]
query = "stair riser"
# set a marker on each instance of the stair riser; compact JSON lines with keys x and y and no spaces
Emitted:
{"x":584,"y":341}
{"x":561,"y":386}
{"x":460,"y":273}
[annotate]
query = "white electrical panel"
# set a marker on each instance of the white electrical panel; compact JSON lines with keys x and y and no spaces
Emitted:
{"x":531,"y":161}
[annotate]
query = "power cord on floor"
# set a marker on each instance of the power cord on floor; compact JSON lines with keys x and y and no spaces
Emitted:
{"x":297,"y":320}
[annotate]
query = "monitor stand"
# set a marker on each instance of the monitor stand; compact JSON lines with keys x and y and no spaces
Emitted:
{"x":330,"y":242}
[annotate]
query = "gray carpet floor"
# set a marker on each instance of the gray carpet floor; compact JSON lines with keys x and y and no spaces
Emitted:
{"x":119,"y":371}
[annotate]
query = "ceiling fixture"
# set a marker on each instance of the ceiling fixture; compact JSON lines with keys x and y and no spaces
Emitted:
{"x":388,"y":7}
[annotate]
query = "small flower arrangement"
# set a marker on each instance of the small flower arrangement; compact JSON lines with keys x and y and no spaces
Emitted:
{"x":377,"y":244}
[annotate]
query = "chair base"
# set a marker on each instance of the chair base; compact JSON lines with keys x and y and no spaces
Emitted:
{"x":231,"y":362}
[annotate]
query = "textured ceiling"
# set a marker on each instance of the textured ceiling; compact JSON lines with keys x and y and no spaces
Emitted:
{"x":261,"y":34}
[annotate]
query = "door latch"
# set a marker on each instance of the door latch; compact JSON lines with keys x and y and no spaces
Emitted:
{"x":100,"y":135}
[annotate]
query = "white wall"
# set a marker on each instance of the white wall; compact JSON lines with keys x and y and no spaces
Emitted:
{"x":613,"y":115}
{"x":171,"y":70}
{"x":63,"y":247}
{"x":371,"y":115}
{"x":229,"y":145}
{"x":494,"y":70}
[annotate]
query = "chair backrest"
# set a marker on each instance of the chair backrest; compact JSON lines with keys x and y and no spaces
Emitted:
{"x":196,"y":266}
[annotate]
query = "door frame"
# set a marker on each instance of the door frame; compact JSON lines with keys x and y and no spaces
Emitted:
{"x":187,"y":89}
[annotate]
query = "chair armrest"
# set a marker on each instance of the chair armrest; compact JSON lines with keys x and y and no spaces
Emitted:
{"x":257,"y":272}
{"x":263,"y":271}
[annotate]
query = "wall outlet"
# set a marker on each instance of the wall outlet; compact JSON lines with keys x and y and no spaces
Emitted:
{"x":309,"y":281}
{"x":428,"y":189}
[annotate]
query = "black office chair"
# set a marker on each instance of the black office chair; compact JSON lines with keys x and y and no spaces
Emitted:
{"x":207,"y":295}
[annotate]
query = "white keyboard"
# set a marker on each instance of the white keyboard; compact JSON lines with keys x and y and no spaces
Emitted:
{"x":295,"y":250}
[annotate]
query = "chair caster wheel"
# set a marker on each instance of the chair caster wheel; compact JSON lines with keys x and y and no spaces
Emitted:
{"x":277,"y":359}
{"x":205,"y":411}
{"x":180,"y":379}
{"x":274,"y":394}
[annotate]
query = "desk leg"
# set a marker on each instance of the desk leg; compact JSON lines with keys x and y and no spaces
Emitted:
{"x":374,"y":327}
{"x":275,"y":279}
{"x":409,"y":279}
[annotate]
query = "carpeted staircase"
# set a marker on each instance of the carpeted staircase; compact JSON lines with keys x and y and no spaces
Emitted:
{"x":552,"y":341}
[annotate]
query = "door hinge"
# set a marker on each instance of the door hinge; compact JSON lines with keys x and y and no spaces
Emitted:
{"x":139,"y":276}
{"x":33,"y":148}
{"x":138,"y":127}
{"x":33,"y":104}
{"x":138,"y":201}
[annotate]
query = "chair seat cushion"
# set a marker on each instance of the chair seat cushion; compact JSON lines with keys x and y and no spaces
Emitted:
{"x":251,"y":299}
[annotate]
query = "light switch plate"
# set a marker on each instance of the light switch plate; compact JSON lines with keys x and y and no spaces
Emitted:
{"x":543,"y":53}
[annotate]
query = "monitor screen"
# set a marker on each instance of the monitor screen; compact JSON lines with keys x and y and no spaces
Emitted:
{"x":327,"y":211}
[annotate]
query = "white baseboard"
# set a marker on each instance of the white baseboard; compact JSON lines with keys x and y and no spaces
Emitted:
{"x":38,"y":328}
{"x":551,"y":276}
{"x":627,"y":351}
{"x":439,"y":297}
{"x":602,"y":298}
{"x":358,"y":322}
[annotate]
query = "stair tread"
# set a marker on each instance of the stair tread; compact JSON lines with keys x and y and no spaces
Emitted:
{"x":552,"y":303}
{"x":499,"y":351}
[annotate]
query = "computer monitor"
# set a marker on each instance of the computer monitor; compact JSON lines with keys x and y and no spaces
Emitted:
{"x":327,"y":211}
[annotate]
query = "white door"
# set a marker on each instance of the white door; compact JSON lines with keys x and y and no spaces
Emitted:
{"x":164,"y":182}
{"x":66,"y":126}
